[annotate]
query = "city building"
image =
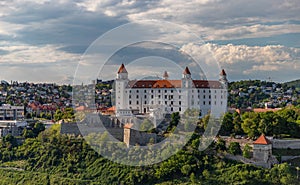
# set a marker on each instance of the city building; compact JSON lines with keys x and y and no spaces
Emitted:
{"x":166,"y":96}
{"x":9,"y":112}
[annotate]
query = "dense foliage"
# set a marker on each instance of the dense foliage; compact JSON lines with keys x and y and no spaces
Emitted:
{"x":285,"y":122}
{"x":52,"y":158}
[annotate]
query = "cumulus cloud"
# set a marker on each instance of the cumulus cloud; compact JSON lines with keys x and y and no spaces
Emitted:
{"x":247,"y":62}
{"x":26,"y":54}
{"x":52,"y":32}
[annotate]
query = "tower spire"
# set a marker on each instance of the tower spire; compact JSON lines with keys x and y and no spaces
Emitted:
{"x":166,"y":75}
{"x":122,"y":69}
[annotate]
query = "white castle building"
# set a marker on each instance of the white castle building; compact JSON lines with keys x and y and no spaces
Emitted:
{"x":167,"y":96}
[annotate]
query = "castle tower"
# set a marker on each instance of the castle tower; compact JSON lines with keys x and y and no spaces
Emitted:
{"x":122,"y":73}
{"x":121,"y":84}
{"x":223,"y":78}
{"x":187,"y":78}
{"x":186,"y":85}
{"x":262,"y":149}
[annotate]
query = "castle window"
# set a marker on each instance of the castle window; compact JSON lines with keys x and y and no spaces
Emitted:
{"x":158,"y":91}
{"x":171,"y":91}
{"x":192,"y":91}
{"x":137,"y":96}
{"x":165,"y":91}
{"x":158,"y":96}
{"x":151,"y":91}
{"x":145,"y":96}
{"x":179,"y":97}
{"x":145,"y":102}
{"x":145,"y":91}
{"x":152,"y":96}
{"x":215,"y":96}
{"x":209,"y":103}
{"x":215,"y":91}
{"x":179,"y":102}
{"x":172,"y":109}
{"x":198,"y":91}
{"x":129,"y":91}
{"x":137,"y":102}
{"x":171,"y":102}
{"x":203,"y":91}
{"x":215,"y":103}
{"x":129,"y":102}
{"x":221,"y":96}
{"x":209,"y":96}
{"x":203,"y":96}
{"x":203,"y":102}
{"x":130,"y":96}
{"x":166,"y":96}
{"x":179,"y":91}
{"x":221,"y":103}
{"x":137,"y":91}
{"x":179,"y":108}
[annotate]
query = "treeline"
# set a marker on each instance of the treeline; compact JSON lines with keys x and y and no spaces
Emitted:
{"x":283,"y":123}
{"x":65,"y":159}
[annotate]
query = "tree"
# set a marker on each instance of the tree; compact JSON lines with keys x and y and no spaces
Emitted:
{"x":38,"y":127}
{"x":221,"y":145}
{"x":234,"y":148}
{"x":246,"y":151}
{"x":250,"y":127}
{"x":146,"y":125}
{"x":27,"y":133}
{"x":227,"y":124}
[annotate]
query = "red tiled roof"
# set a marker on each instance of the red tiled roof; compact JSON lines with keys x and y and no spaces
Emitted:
{"x":262,"y":140}
{"x":223,"y":72}
{"x":207,"y":84}
{"x":172,"y":84}
{"x":186,"y":71}
{"x":122,"y":69}
{"x":128,"y":125}
{"x":266,"y":110}
{"x":113,"y":109}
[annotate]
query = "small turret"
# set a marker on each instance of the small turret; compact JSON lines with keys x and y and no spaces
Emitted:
{"x":223,"y":78}
{"x":165,"y":76}
{"x":186,"y":73}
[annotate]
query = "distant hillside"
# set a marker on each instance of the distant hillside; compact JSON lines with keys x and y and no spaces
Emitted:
{"x":295,"y":83}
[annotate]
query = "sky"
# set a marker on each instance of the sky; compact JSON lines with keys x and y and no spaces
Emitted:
{"x":44,"y":40}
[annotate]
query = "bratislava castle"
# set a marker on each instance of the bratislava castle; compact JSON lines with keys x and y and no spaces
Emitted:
{"x":167,"y":96}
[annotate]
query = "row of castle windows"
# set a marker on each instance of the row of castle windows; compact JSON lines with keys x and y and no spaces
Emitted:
{"x":171,"y":96}
{"x":172,"y":103}
{"x":145,"y":91}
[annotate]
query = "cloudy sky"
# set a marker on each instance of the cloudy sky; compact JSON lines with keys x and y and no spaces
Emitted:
{"x":43,"y":40}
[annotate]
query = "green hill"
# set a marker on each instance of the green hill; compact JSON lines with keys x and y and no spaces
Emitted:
{"x":295,"y":83}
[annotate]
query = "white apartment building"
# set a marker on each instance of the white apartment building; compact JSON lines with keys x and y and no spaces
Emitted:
{"x":9,"y":112}
{"x":167,"y":96}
